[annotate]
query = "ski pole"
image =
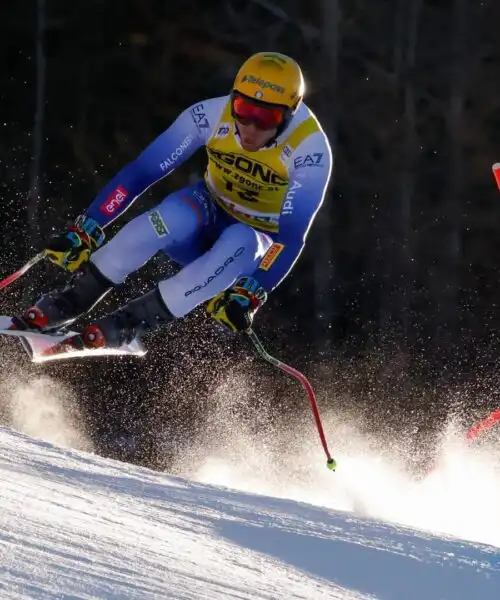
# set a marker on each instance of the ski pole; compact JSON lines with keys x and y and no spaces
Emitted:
{"x":475,"y":431}
{"x":31,"y":263}
{"x":330,"y":462}
{"x":496,"y":173}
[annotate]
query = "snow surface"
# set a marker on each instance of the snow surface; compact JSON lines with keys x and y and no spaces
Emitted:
{"x":74,"y":525}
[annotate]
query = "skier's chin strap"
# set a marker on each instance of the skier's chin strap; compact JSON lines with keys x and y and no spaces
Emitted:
{"x":272,"y":142}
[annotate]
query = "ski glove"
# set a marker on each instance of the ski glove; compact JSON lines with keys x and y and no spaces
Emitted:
{"x":73,"y":247}
{"x":236,"y":307}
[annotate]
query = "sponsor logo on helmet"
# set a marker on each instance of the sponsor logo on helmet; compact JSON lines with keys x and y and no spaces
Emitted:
{"x":158,"y":223}
{"x":251,"y":168}
{"x":220,"y":269}
{"x":263,"y":83}
{"x":273,"y":57}
{"x":309,"y":160}
{"x":270,"y":256}
{"x":287,"y":208}
{"x":199,"y":116}
{"x":114,"y":200}
{"x":169,"y":163}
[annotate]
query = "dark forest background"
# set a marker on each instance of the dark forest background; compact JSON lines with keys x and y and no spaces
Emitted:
{"x":393,"y":308}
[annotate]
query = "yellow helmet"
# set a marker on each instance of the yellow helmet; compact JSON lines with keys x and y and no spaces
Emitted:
{"x":273,"y":78}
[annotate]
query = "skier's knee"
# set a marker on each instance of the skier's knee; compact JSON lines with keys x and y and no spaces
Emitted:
{"x":240,"y":235}
{"x":177,"y":219}
{"x":254,"y":242}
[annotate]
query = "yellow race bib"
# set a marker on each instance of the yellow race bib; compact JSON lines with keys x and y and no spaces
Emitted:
{"x":251,"y":186}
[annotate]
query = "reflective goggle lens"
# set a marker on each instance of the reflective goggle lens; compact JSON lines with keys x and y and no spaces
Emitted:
{"x":262,"y":116}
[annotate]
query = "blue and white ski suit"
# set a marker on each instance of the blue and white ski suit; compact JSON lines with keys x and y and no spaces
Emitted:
{"x":249,"y":216}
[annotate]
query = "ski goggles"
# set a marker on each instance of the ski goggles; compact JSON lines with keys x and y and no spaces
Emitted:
{"x":264,"y":116}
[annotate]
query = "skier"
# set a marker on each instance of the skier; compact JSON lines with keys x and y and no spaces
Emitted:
{"x":237,"y":233}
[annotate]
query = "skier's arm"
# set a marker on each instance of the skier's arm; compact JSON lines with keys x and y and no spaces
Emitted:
{"x":187,"y":133}
{"x":309,"y":177}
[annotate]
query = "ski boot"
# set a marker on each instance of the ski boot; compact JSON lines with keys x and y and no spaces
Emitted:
{"x":121,"y":327}
{"x":143,"y":314}
{"x":57,"y":310}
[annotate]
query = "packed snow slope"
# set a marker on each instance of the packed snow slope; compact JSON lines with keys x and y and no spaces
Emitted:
{"x":74,"y":525}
